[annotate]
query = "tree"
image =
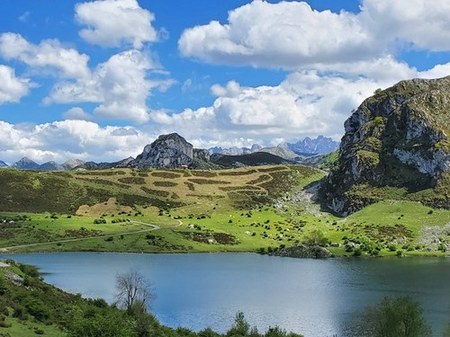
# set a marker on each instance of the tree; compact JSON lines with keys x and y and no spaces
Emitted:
{"x":315,"y":238}
{"x":395,"y":317}
{"x":133,"y":291}
{"x":240,"y":326}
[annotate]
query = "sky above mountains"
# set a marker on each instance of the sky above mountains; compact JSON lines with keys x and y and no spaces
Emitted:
{"x":98,"y":80}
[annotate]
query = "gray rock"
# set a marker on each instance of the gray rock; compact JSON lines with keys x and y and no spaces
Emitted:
{"x":168,"y":151}
{"x":399,"y":138}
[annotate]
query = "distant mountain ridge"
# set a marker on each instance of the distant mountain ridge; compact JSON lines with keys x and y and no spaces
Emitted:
{"x":314,"y":146}
{"x":305,"y":147}
{"x":28,"y":164}
{"x":173,"y":151}
{"x":235,"y":151}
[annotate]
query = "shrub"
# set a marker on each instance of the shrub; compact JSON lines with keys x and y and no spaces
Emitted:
{"x":392,"y":248}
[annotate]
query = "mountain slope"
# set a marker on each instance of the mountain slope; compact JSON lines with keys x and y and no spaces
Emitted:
{"x":396,"y":145}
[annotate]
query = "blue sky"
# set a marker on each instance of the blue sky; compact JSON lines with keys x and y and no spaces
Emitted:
{"x":97,"y":80}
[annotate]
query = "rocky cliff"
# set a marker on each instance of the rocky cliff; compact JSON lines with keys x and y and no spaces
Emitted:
{"x":396,"y":144}
{"x":169,"y":151}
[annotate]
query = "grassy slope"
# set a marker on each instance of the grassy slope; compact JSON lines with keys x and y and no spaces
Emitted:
{"x":245,"y":209}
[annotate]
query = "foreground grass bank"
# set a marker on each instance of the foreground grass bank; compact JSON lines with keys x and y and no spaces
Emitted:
{"x":30,"y":307}
{"x":248,"y":209}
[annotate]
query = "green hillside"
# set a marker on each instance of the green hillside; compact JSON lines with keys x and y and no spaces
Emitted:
{"x":255,"y":209}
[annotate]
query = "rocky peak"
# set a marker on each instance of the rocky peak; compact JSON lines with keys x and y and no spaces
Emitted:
{"x":170,"y":151}
{"x":72,"y":163}
{"x":309,"y":146}
{"x":26,"y":164}
{"x":397,"y":138}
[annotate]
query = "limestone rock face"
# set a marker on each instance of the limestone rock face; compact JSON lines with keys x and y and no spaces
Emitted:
{"x":397,"y":138}
{"x":168,"y":151}
{"x":202,"y":154}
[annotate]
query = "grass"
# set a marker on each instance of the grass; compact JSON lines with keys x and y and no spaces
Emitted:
{"x":234,"y":210}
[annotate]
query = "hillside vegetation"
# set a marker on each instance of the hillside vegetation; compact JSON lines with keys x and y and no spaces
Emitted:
{"x":258,"y":209}
{"x":29,"y":307}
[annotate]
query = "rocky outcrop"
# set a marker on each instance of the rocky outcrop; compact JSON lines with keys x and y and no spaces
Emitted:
{"x":397,"y":138}
{"x":202,"y":154}
{"x":169,"y":151}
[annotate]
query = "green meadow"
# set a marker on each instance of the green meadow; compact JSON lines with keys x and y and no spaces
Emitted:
{"x":253,"y":209}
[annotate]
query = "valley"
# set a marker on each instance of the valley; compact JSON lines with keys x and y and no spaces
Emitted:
{"x":253,"y":209}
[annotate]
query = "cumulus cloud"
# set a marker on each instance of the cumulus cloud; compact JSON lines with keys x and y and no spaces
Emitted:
{"x":77,"y":113}
{"x":292,"y":35}
{"x":285,"y":34}
{"x":113,"y":23}
{"x":120,"y":85}
{"x":423,"y":24}
{"x":306,"y":103}
{"x":12,"y":88}
{"x":63,"y":140}
{"x":49,"y":55}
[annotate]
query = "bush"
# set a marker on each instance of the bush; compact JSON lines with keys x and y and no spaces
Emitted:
{"x":395,"y":317}
{"x":392,"y":248}
{"x":357,"y":252}
{"x":316,"y":238}
{"x":99,"y":221}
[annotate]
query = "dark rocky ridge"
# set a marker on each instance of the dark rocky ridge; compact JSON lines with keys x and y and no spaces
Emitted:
{"x":397,"y":138}
{"x":168,"y":151}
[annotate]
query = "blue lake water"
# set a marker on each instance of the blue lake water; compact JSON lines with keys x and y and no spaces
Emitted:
{"x":317,"y":298}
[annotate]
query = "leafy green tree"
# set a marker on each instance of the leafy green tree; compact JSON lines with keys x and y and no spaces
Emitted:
{"x":395,"y":317}
{"x":240,"y":326}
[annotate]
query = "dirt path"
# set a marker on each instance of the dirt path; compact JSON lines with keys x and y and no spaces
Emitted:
{"x":151,"y":228}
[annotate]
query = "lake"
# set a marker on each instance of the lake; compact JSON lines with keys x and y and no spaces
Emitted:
{"x":314,"y":297}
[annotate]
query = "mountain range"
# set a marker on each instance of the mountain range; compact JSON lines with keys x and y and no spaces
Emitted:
{"x":306,"y":147}
{"x":173,"y":151}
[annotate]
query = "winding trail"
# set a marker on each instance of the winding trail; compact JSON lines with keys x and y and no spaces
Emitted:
{"x":150,"y":228}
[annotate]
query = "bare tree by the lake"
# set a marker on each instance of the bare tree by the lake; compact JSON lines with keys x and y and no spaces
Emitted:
{"x":133,"y":289}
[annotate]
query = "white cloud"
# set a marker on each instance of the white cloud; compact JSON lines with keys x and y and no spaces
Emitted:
{"x":77,"y":113}
{"x":422,"y":23}
{"x":63,"y":140}
{"x":291,"y":35}
{"x":49,"y":55}
{"x":120,"y":85}
{"x":12,"y":88}
{"x":24,"y":17}
{"x":112,"y":23}
{"x":304,"y":104}
{"x":286,"y":34}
